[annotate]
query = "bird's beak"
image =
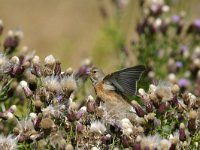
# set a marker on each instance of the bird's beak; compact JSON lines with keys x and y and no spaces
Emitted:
{"x":88,"y":71}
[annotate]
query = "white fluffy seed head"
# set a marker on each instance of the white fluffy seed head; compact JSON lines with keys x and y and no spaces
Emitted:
{"x":127,"y":131}
{"x":90,"y":98}
{"x":152,"y":88}
{"x":69,"y":83}
{"x":97,"y":127}
{"x":33,"y":115}
{"x":50,"y":60}
{"x":165,"y":144}
{"x":10,"y":33}
{"x":15,"y":60}
{"x":94,"y":148}
{"x":138,"y":138}
{"x":52,"y":84}
{"x":1,"y":22}
{"x":69,"y":71}
{"x":141,"y":91}
{"x":14,"y":107}
{"x":182,"y":126}
{"x":23,"y":84}
{"x":36,"y":59}
{"x":192,"y":114}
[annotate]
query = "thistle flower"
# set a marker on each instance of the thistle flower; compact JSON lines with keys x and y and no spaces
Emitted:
{"x":97,"y":127}
{"x":80,"y":128}
{"x":5,"y":64}
{"x":174,"y":139}
{"x":50,"y":60}
{"x":69,"y":147}
{"x":192,"y":120}
{"x":183,"y":84}
{"x":38,"y":105}
{"x":175,"y":89}
{"x":150,"y":142}
{"x":165,"y":144}
{"x":126,"y":141}
{"x":95,"y":148}
{"x":163,"y":107}
{"x":69,"y":71}
{"x":24,"y":129}
{"x":1,"y":27}
{"x":72,"y":116}
{"x":54,"y":111}
{"x":12,"y":41}
{"x":163,"y":92}
{"x":33,"y":116}
{"x":57,"y":141}
{"x":68,"y":83}
{"x":140,"y":112}
{"x":46,"y":124}
{"x":57,"y":69}
{"x":36,"y":60}
{"x":90,"y":104}
{"x":182,"y":134}
{"x":8,"y":143}
{"x":150,"y":117}
{"x":52,"y":84}
{"x":36,"y":70}
{"x":126,"y":126}
{"x":136,"y":145}
{"x":26,"y":89}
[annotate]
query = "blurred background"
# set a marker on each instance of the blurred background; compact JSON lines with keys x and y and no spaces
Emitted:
{"x":73,"y":30}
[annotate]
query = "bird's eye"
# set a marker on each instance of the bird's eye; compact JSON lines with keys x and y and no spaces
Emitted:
{"x":94,"y":71}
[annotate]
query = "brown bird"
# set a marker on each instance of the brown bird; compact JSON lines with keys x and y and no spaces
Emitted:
{"x":112,"y":90}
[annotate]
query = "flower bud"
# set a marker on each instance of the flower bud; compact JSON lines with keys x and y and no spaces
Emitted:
{"x":26,"y":89}
{"x":46,"y":124}
{"x":1,"y":27}
{"x":106,"y":139}
{"x":182,"y":135}
{"x":80,"y":128}
{"x":69,"y":71}
{"x":175,"y":89}
{"x":136,"y":145}
{"x":36,"y":60}
{"x":71,"y":116}
{"x":90,"y":104}
{"x":57,"y":69}
{"x":36,"y":70}
{"x":50,"y":60}
{"x":140,"y":112}
{"x":192,"y":120}
{"x":149,"y":107}
{"x":38,"y":105}
{"x":69,"y":147}
{"x":125,"y":141}
{"x":163,"y":107}
{"x":11,"y":42}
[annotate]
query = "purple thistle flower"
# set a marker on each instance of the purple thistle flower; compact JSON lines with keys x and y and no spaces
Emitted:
{"x":175,"y":18}
{"x":179,"y":64}
{"x":183,"y":82}
{"x":197,"y":23}
{"x":183,"y":48}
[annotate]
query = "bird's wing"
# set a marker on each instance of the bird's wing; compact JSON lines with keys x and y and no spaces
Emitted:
{"x":126,"y":80}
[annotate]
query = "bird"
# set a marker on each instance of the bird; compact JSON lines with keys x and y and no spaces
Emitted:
{"x":113,"y":90}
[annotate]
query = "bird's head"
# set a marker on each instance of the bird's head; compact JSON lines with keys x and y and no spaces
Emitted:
{"x":96,"y":75}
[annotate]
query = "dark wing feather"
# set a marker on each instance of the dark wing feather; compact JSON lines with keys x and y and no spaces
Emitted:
{"x":126,"y":80}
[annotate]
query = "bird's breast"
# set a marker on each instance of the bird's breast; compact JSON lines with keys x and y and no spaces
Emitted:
{"x":107,"y":93}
